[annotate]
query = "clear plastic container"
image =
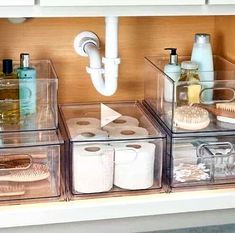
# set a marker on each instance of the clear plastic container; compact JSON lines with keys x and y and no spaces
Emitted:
{"x":124,"y":156}
{"x":205,"y":116}
{"x":30,"y":166}
{"x":201,"y":162}
{"x":46,"y":115}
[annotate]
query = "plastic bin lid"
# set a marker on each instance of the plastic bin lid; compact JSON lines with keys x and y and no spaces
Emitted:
{"x":29,"y":139}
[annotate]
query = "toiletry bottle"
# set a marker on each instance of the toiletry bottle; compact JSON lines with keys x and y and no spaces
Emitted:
{"x":27,"y":80}
{"x":202,"y":55}
{"x":9,"y":94}
{"x":188,"y":87}
{"x":172,"y":69}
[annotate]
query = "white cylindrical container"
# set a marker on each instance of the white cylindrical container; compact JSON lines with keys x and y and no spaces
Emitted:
{"x":203,"y":56}
{"x":134,"y":165}
{"x":92,"y":166}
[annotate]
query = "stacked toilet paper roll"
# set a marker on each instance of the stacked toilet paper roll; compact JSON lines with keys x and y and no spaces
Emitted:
{"x":92,"y":168}
{"x":122,"y":121}
{"x":75,"y":124}
{"x":89,"y":134}
{"x":127,"y":132}
{"x":134,"y":165}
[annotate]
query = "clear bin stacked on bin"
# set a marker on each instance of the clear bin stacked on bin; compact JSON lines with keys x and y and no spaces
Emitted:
{"x":30,"y":150}
{"x":123,"y":157}
{"x":195,"y":158}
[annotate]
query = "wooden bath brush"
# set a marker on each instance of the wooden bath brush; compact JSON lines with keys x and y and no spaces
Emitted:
{"x":223,"y":111}
{"x":7,"y":190}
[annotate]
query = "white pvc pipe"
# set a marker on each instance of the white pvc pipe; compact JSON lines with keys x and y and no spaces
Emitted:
{"x":106,"y":86}
{"x":111,"y":37}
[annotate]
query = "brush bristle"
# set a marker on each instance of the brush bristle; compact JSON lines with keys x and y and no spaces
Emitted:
{"x":35,"y":173}
{"x":226,"y":106}
{"x":191,"y":114}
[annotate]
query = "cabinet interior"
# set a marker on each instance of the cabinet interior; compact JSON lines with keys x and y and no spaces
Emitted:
{"x":52,"y":38}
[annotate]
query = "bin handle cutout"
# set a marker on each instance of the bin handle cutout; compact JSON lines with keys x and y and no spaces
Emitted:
{"x":215,"y":145}
{"x":15,"y":162}
{"x":125,"y":149}
{"x":216,"y":101}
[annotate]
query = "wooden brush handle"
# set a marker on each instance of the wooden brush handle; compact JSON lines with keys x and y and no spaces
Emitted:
{"x":216,"y":111}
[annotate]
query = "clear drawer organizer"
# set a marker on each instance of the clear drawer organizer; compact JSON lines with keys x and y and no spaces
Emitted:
{"x":220,"y":106}
{"x":30,"y":166}
{"x":196,"y":158}
{"x":204,"y":161}
{"x":46,"y":116}
{"x":122,"y":158}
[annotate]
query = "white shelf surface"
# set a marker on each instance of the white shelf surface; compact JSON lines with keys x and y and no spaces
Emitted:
{"x":119,"y":208}
{"x":86,"y":11}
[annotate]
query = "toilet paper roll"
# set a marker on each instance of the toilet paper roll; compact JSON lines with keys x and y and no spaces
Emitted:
{"x":134,"y":165}
{"x":88,"y":134}
{"x":83,"y":122}
{"x":122,"y":121}
{"x":127,"y":132}
{"x":92,"y":168}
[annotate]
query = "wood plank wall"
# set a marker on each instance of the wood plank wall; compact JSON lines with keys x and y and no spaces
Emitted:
{"x":225,"y":36}
{"x":52,"y":38}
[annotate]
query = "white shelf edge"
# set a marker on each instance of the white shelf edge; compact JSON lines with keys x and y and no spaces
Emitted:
{"x":116,"y":207}
{"x":63,"y":3}
{"x":37,"y":11}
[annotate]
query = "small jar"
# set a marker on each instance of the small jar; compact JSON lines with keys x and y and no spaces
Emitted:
{"x":188,"y":88}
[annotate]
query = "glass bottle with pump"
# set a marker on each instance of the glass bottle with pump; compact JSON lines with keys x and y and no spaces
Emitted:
{"x":27,"y":76}
{"x":188,"y":88}
{"x":172,"y":69}
{"x":9,"y":94}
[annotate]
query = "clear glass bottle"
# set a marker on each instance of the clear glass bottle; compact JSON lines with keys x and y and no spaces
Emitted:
{"x":9,"y":94}
{"x":188,"y":88}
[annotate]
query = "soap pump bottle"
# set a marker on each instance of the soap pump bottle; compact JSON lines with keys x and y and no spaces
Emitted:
{"x":172,"y":70}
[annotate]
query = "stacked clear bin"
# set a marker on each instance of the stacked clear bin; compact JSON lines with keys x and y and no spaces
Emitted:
{"x":30,"y":149}
{"x":122,"y":157}
{"x":196,"y":158}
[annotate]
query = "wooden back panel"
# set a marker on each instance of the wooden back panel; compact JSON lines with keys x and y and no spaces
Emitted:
{"x":52,"y":38}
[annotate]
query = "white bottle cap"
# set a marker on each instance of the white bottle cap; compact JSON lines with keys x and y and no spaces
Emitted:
{"x":189,"y":65}
{"x":202,"y":38}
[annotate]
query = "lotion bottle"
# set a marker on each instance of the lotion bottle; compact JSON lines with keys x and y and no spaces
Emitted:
{"x":202,"y":55}
{"x":173,"y":70}
{"x":27,"y":80}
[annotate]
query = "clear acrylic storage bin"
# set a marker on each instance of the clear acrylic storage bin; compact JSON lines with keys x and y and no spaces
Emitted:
{"x":30,"y":166}
{"x":201,"y":162}
{"x":192,"y":107}
{"x":45,"y":117}
{"x":122,"y":157}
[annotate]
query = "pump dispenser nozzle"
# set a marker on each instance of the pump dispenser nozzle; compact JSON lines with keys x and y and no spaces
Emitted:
{"x":173,"y":56}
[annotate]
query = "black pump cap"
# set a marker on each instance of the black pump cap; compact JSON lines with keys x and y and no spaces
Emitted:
{"x":173,"y":50}
{"x":7,"y":66}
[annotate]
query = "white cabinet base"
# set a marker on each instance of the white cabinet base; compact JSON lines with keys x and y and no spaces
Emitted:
{"x":139,"y":213}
